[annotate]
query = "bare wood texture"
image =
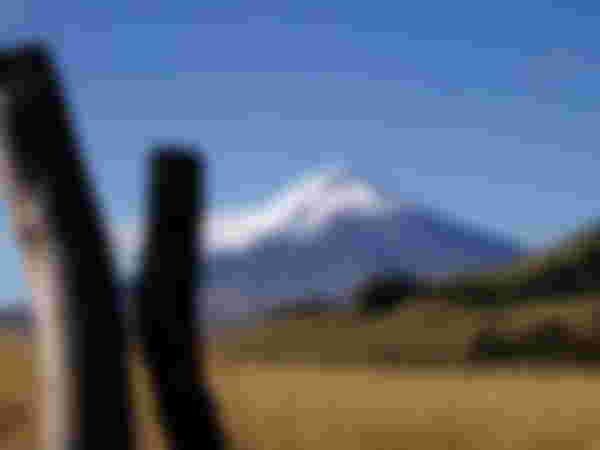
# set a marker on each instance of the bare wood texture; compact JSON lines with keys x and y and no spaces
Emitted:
{"x":40,"y":263}
{"x":174,"y":269}
{"x":67,"y":261}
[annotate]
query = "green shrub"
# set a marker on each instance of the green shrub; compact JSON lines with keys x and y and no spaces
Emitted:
{"x":381,"y":293}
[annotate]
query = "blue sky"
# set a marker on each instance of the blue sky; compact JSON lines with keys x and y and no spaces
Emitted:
{"x":489,"y":110}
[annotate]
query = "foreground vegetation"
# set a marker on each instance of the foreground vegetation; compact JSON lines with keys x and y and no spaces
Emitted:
{"x":571,"y":267}
{"x":420,"y":331}
{"x":270,"y":406}
{"x":299,"y":407}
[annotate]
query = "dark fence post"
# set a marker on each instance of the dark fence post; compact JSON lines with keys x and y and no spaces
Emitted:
{"x":166,"y":297}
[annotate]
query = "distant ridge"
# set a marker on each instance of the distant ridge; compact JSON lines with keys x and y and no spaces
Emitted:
{"x":330,"y":229}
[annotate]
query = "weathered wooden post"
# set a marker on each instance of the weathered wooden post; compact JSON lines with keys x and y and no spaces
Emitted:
{"x":69,"y":267}
{"x":67,"y":261}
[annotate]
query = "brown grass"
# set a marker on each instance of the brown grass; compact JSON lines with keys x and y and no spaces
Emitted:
{"x":422,"y":331}
{"x":303,"y":408}
{"x":270,"y":406}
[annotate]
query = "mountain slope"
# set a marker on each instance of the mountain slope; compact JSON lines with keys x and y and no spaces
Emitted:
{"x":570,"y":267}
{"x":330,"y":230}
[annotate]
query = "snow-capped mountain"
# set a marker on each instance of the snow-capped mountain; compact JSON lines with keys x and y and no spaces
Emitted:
{"x":298,"y":211}
{"x":328,"y":230}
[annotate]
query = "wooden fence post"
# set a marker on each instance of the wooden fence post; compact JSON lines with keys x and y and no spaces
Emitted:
{"x":67,"y":261}
{"x":77,"y":302}
{"x":166,"y":297}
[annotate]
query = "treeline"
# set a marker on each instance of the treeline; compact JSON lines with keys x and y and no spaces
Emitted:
{"x":572,"y":267}
{"x":377,"y":295}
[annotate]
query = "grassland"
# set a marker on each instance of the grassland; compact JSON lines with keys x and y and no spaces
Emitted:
{"x":299,"y":402}
{"x":422,"y":331}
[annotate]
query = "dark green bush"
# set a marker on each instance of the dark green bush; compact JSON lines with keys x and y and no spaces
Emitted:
{"x":381,"y":293}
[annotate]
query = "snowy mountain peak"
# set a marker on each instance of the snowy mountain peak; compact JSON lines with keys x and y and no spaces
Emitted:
{"x":329,"y":178}
{"x":300,"y":209}
{"x":325,"y":192}
{"x":328,"y":230}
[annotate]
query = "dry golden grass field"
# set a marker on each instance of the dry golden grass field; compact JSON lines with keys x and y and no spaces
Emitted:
{"x":291,"y":406}
{"x":422,"y":331}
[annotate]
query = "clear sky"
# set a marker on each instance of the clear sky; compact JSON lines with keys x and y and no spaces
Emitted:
{"x":490,"y":110}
